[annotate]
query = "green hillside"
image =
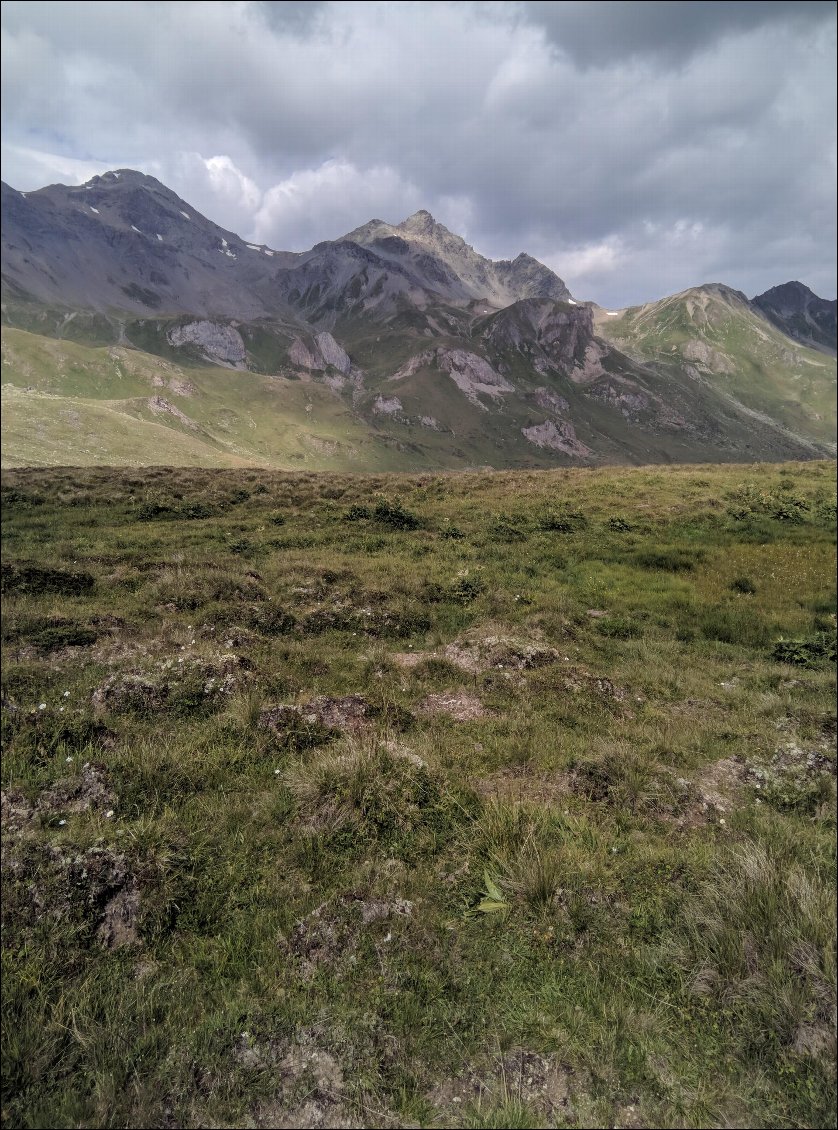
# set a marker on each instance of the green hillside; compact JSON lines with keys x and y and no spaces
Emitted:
{"x":730,"y":346}
{"x":67,"y":402}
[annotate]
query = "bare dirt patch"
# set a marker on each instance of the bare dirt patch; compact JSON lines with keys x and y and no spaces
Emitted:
{"x":54,"y":882}
{"x":312,"y":1094}
{"x":479,"y":653}
{"x":119,"y":920}
{"x":347,"y":714}
{"x":82,"y":792}
{"x":720,"y":782}
{"x":16,"y":811}
{"x":331,"y":933}
{"x":539,"y":1082}
{"x":458,"y":705}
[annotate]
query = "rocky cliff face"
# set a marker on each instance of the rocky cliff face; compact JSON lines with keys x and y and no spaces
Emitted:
{"x":319,"y":354}
{"x":219,"y":343}
{"x":557,"y":332}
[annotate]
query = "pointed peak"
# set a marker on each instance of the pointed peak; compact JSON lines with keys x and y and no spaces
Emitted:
{"x":786,"y":290}
{"x":421,"y":221}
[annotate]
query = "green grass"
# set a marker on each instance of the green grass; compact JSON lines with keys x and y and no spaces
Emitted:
{"x":738,"y":352}
{"x":314,"y":813}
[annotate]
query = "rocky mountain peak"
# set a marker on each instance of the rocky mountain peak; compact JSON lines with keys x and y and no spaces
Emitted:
{"x":421,"y":221}
{"x":798,"y":312}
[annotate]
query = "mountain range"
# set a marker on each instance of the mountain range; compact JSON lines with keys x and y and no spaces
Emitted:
{"x":135,"y":330}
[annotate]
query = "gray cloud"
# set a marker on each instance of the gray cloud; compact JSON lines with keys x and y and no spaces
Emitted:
{"x":597,"y":32}
{"x":638,"y":148}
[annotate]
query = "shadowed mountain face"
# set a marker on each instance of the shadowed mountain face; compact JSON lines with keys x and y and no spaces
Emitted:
{"x":397,"y":346}
{"x":795,"y":310}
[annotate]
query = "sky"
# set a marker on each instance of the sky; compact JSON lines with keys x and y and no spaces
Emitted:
{"x":636,"y":148}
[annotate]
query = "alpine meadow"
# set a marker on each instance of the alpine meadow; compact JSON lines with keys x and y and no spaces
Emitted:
{"x":418,"y":565}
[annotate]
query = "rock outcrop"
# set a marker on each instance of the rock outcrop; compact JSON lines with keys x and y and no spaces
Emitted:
{"x":219,"y":343}
{"x":319,"y":354}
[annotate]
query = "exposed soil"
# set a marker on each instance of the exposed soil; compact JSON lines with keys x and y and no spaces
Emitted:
{"x":458,"y":705}
{"x":539,"y":1082}
{"x":331,"y":933}
{"x":347,"y":714}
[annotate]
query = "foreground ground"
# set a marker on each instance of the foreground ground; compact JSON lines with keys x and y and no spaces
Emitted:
{"x":488,"y":800}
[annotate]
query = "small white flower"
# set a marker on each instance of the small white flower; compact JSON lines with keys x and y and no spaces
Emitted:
{"x":109,"y":814}
{"x":61,"y":710}
{"x":68,"y":760}
{"x":66,"y":694}
{"x":721,"y":821}
{"x":61,"y":823}
{"x":277,"y":772}
{"x":42,"y":706}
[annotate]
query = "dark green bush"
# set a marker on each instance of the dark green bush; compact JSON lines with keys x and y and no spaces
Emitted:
{"x":562,"y":521}
{"x":806,"y":653}
{"x":394,"y":514}
{"x":744,"y":585}
{"x":737,"y":624}
{"x":620,"y":628}
{"x":30,"y":579}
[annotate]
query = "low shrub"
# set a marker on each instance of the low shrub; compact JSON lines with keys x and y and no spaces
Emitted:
{"x":394,"y":514}
{"x":806,"y":653}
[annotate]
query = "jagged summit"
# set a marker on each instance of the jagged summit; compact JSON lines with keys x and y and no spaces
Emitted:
{"x":497,"y":282}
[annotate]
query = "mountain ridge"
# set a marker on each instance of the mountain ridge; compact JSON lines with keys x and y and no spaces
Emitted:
{"x":432,"y":353}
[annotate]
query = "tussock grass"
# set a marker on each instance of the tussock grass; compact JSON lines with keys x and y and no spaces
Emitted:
{"x":555,"y":792}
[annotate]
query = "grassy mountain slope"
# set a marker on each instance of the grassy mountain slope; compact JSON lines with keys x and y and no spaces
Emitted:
{"x":393,"y":414}
{"x":718,"y":336}
{"x":193,"y":415}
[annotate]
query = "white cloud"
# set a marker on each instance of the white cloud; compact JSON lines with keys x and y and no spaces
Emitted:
{"x":32,"y":168}
{"x":327,"y":201}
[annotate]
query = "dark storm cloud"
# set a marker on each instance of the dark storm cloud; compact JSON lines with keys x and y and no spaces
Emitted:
{"x":638,"y":148}
{"x":294,"y":15}
{"x":602,"y":31}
